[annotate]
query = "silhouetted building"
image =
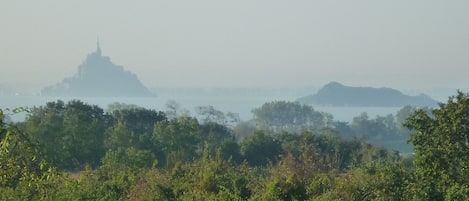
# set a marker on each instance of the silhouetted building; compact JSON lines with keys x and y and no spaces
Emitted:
{"x":97,"y":76}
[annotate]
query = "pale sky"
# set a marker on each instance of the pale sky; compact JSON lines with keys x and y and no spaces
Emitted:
{"x":404,"y":44}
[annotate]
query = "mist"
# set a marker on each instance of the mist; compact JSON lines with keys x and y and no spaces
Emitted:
{"x":406,"y":45}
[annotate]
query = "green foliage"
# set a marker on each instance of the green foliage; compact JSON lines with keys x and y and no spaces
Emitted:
{"x":116,"y":106}
{"x":441,"y":142}
{"x":320,"y":184}
{"x":458,"y":192}
{"x":130,"y":157}
{"x":178,"y":138}
{"x":291,"y":116}
{"x":214,"y":135}
{"x":115,"y":179}
{"x":132,"y":153}
{"x":244,"y":129}
{"x":212,"y":179}
{"x":119,"y":136}
{"x":260,"y":148}
{"x":373,"y":181}
{"x":138,"y":120}
{"x":100,"y":184}
{"x":382,"y":126}
{"x":230,"y":150}
{"x":24,"y":174}
{"x":287,"y":180}
{"x":208,"y":114}
{"x":382,"y":130}
{"x":133,"y":128}
{"x":72,"y":134}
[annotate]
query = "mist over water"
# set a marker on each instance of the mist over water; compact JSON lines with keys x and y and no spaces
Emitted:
{"x":241,"y":104}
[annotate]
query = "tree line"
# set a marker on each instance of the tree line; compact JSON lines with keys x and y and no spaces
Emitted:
{"x":288,"y":151}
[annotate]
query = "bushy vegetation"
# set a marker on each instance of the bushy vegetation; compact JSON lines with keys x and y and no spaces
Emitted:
{"x":289,"y":151}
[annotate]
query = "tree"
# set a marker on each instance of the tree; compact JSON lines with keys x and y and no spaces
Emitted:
{"x":344,"y":129}
{"x":130,"y":157}
{"x":120,"y":106}
{"x":283,"y":115}
{"x":119,"y":136}
{"x":363,"y":125}
{"x":373,"y":181}
{"x":174,"y":110}
{"x":260,"y":148}
{"x":178,"y":138}
{"x":208,"y":114}
{"x":84,"y":126}
{"x":72,"y":134}
{"x":215,"y":135}
{"x":403,"y":114}
{"x":441,"y":141}
{"x":24,"y":173}
{"x":133,"y":127}
{"x":244,"y":129}
{"x":139,"y":120}
{"x":230,"y":150}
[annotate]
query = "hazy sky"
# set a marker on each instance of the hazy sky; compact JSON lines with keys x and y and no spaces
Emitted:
{"x":215,"y":43}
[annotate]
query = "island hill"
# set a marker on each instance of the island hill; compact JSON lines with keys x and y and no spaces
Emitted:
{"x":97,"y":76}
{"x":336,"y":94}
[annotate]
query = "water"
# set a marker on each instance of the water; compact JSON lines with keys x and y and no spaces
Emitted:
{"x":347,"y":113}
{"x":226,"y":103}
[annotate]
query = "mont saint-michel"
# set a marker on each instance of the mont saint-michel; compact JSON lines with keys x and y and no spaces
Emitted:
{"x":97,"y":76}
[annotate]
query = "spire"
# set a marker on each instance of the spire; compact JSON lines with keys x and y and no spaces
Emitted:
{"x":98,"y":49}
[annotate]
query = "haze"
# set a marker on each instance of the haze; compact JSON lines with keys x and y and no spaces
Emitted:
{"x":210,"y":43}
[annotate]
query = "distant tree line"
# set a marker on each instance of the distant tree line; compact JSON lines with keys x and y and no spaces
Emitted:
{"x":387,"y":131}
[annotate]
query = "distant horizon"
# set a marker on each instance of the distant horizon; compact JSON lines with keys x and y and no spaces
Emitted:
{"x":29,"y":89}
{"x":440,"y":94}
{"x":404,"y":45}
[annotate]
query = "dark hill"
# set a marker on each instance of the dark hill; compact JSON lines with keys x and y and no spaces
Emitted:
{"x":97,"y":76}
{"x":336,"y":94}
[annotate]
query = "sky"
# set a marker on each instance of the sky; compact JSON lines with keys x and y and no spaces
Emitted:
{"x":403,"y":44}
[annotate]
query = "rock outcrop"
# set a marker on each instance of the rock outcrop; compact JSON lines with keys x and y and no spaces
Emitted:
{"x":336,"y":94}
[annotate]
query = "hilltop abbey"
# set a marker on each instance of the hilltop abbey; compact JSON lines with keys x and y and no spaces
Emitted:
{"x":97,"y":76}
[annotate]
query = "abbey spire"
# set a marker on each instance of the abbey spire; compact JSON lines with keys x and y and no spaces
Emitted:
{"x":98,"y":49}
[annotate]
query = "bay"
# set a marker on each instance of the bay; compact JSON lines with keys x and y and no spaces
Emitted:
{"x":242,"y":105}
